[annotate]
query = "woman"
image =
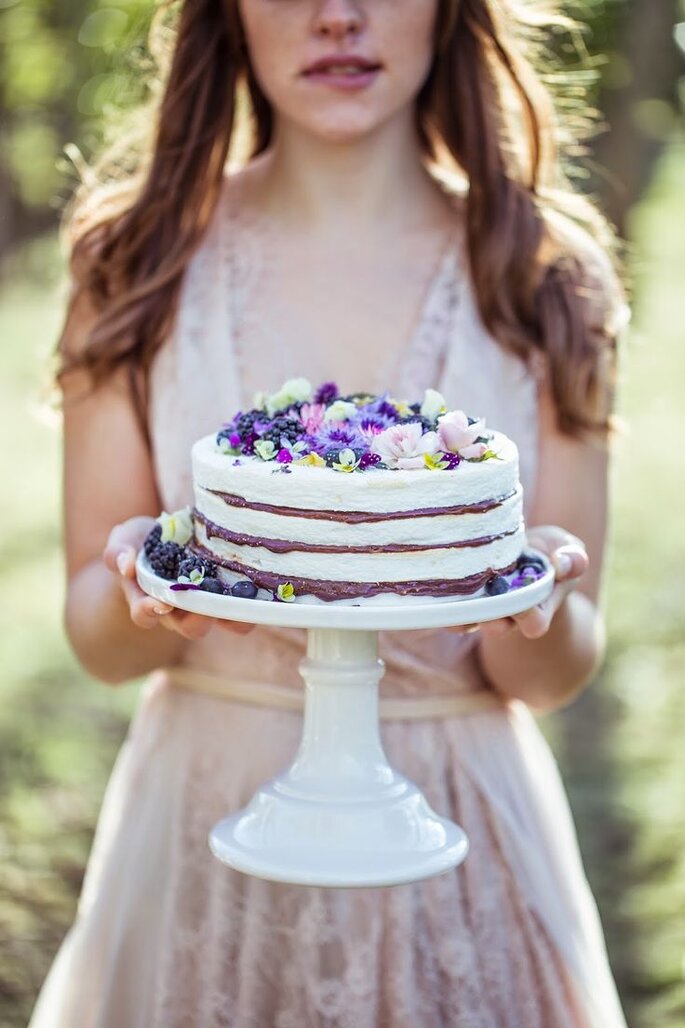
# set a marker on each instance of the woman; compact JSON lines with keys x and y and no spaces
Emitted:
{"x":342,"y":247}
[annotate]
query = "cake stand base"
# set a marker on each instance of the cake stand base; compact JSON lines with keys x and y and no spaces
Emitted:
{"x":340,"y":816}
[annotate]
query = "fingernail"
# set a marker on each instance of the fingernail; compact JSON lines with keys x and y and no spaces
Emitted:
{"x":563,"y":563}
{"x":122,"y":562}
{"x":161,"y":609}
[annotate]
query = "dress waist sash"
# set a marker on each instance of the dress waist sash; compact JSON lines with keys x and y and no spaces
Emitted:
{"x":264,"y":694}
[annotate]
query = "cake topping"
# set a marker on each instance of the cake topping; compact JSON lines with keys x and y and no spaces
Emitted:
{"x":358,"y":432}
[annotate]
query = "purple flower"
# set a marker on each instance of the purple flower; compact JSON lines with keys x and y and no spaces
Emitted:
{"x":368,"y":459}
{"x":453,"y":460}
{"x":381,"y":408}
{"x":284,"y":456}
{"x":336,"y":435}
{"x":326,"y":393}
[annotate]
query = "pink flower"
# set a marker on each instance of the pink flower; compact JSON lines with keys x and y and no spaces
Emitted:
{"x":403,"y":446}
{"x":311,"y":416}
{"x":457,"y":436}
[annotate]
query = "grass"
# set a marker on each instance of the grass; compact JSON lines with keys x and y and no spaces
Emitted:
{"x":619,"y":745}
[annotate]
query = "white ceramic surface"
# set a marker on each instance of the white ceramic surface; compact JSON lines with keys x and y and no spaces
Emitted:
{"x":345,"y":616}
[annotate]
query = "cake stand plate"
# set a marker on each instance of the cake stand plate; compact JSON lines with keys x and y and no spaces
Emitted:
{"x":341,"y":815}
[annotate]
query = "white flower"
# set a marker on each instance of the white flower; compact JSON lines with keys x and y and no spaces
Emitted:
{"x":340,"y":410}
{"x":458,"y":436}
{"x":433,"y":404}
{"x":295,"y":390}
{"x":347,"y":460}
{"x":176,"y":527}
{"x":265,"y":449}
{"x":403,"y":446}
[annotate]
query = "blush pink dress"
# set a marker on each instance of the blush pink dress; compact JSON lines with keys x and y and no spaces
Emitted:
{"x":167,"y":937}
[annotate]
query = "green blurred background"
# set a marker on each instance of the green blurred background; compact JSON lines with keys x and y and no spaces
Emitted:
{"x":66,"y":70}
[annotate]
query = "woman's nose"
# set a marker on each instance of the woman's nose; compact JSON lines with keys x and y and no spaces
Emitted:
{"x":338,"y":18}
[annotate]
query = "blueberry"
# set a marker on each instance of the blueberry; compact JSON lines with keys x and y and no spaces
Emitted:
{"x":496,"y":586}
{"x":211,"y":585}
{"x":530,"y":560}
{"x":245,"y":589}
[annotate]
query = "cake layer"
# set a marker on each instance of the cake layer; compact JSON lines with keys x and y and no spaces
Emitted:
{"x":369,"y":564}
{"x":325,"y":589}
{"x":412,"y":528}
{"x":373,"y":491}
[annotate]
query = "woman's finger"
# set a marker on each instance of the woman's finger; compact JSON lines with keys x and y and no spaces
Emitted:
{"x":534,"y":623}
{"x":145,"y":611}
{"x":569,"y":562}
{"x":498,"y":627}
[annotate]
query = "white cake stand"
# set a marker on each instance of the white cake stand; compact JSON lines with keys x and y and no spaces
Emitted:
{"x":341,"y":815}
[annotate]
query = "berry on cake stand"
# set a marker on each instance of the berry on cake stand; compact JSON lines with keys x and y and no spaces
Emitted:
{"x":340,"y":815}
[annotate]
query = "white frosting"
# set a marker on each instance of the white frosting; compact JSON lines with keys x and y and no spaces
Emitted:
{"x":375,"y":491}
{"x":372,"y":490}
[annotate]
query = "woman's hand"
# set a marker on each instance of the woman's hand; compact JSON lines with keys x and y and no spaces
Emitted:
{"x":570,"y":561}
{"x":119,"y":555}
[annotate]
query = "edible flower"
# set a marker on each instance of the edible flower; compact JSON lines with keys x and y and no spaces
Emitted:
{"x":265,"y":449}
{"x":286,"y":592}
{"x":326,"y":393}
{"x":289,"y":451}
{"x":404,"y":446}
{"x":176,"y":527}
{"x":433,"y":404}
{"x":436,"y":462}
{"x":311,"y":416}
{"x":401,"y":406}
{"x":312,"y":459}
{"x":340,"y":410}
{"x":347,"y":460}
{"x":458,"y":436}
{"x":195,"y":577}
{"x":295,"y":390}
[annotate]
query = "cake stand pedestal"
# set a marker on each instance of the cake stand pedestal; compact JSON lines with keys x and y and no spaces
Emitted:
{"x":341,"y":815}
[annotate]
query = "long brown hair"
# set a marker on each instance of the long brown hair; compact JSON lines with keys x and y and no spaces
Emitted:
{"x":483,"y":110}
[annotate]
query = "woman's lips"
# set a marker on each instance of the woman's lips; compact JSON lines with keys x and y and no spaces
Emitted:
{"x":359,"y":78}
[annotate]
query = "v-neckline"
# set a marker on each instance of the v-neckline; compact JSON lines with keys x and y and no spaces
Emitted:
{"x":388,"y":380}
{"x":398,"y":360}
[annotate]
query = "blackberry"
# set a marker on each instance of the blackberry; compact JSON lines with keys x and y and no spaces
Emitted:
{"x":245,"y":422}
{"x":194,"y":563}
{"x":154,"y":537}
{"x":286,"y":426}
{"x":165,"y":558}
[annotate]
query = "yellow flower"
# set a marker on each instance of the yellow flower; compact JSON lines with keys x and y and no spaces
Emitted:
{"x":312,"y":459}
{"x":433,"y":464}
{"x":286,"y":592}
{"x":402,"y":407}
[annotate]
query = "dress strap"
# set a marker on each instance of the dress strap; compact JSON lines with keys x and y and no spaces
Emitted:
{"x":264,"y":694}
